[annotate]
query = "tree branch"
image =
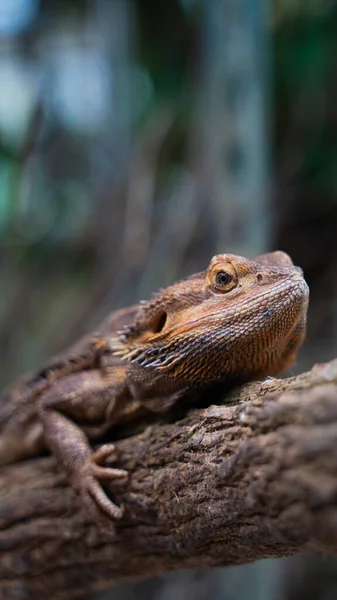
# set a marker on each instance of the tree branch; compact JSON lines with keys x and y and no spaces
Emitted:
{"x":227,"y":485}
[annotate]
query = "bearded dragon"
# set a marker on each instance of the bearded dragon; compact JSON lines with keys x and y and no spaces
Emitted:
{"x":236,"y":321}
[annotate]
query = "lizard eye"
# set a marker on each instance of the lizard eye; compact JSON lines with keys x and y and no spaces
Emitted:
{"x":224,"y":281}
{"x":223,"y":278}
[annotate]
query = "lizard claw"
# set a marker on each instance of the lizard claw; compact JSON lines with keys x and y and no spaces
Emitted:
{"x":108,"y":452}
{"x":87,"y":482}
{"x":96,"y":500}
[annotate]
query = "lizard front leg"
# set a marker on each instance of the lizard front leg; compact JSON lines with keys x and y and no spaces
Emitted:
{"x":87,"y":397}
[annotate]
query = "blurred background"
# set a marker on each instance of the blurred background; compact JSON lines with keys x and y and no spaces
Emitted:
{"x":137,"y":139}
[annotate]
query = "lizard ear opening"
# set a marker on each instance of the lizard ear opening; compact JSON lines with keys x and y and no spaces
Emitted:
{"x":158,"y":322}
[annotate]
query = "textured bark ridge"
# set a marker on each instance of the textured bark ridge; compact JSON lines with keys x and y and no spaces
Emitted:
{"x":230,"y":484}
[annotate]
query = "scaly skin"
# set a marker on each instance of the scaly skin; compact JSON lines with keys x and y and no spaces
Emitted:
{"x":239,"y":320}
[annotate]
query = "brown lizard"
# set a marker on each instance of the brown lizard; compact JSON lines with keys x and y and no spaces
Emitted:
{"x":239,"y":320}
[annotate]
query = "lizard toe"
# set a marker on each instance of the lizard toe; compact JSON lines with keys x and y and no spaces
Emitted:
{"x":106,"y":453}
{"x":108,"y":473}
{"x":96,"y":503}
{"x":102,"y":502}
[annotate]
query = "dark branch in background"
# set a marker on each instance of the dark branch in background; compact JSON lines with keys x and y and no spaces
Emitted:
{"x":227,"y":485}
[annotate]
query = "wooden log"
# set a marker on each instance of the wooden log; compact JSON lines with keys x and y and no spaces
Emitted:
{"x":250,"y":479}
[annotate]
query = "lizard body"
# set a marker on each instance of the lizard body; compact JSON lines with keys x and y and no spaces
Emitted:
{"x":239,"y":320}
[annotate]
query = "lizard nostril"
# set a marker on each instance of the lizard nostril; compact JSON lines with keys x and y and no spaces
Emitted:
{"x":259,"y":277}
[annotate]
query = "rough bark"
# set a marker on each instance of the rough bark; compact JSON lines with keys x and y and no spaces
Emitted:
{"x":230,"y":484}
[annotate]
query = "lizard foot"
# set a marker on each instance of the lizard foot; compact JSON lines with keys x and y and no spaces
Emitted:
{"x":87,"y":483}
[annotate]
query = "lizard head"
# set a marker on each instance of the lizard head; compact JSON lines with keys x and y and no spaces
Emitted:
{"x":239,"y":319}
